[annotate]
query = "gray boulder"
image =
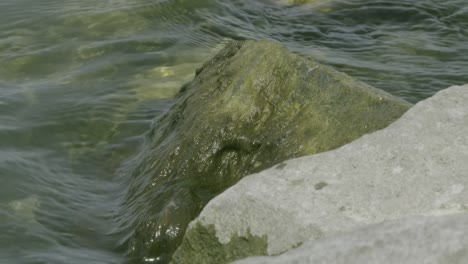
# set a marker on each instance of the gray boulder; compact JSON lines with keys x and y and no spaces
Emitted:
{"x":417,"y":165}
{"x":428,"y":240}
{"x":253,"y":105}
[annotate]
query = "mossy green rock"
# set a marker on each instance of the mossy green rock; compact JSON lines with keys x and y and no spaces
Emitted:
{"x":246,"y":245}
{"x":253,"y":105}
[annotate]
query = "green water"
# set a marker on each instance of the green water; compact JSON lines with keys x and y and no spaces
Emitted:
{"x":81,"y":81}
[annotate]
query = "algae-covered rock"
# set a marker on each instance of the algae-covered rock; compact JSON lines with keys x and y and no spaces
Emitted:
{"x":415,"y":166}
{"x":253,"y":105}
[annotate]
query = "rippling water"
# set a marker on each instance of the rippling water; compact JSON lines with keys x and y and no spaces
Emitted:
{"x":82,"y":80}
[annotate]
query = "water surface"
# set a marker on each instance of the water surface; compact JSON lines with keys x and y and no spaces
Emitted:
{"x":82,"y":80}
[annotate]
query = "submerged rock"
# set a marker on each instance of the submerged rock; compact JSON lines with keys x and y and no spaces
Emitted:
{"x":324,"y":6}
{"x":416,"y":166}
{"x":252,"y":106}
{"x":434,"y":239}
{"x":25,"y":208}
{"x":300,"y":2}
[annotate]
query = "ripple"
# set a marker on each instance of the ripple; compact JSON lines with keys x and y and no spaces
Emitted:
{"x":81,"y":81}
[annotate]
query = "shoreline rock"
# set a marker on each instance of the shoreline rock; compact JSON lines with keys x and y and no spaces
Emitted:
{"x":420,"y":239}
{"x":416,"y":166}
{"x":253,"y":105}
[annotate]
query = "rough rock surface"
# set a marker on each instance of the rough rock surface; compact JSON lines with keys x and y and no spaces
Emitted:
{"x":429,"y":240}
{"x":417,"y":165}
{"x":253,"y":105}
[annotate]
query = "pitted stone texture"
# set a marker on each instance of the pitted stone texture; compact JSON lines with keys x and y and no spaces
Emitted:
{"x":429,"y":240}
{"x":416,"y":166}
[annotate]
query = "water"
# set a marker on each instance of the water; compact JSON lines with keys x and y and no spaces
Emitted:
{"x":82,"y":80}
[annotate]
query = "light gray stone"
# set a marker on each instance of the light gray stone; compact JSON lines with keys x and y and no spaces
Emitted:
{"x":416,"y":166}
{"x":429,"y":240}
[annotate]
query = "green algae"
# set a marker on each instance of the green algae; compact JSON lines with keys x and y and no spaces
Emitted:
{"x":252,"y":106}
{"x":206,"y":249}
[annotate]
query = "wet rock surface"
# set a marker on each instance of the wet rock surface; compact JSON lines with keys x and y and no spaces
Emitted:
{"x":416,"y":166}
{"x":253,"y":105}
